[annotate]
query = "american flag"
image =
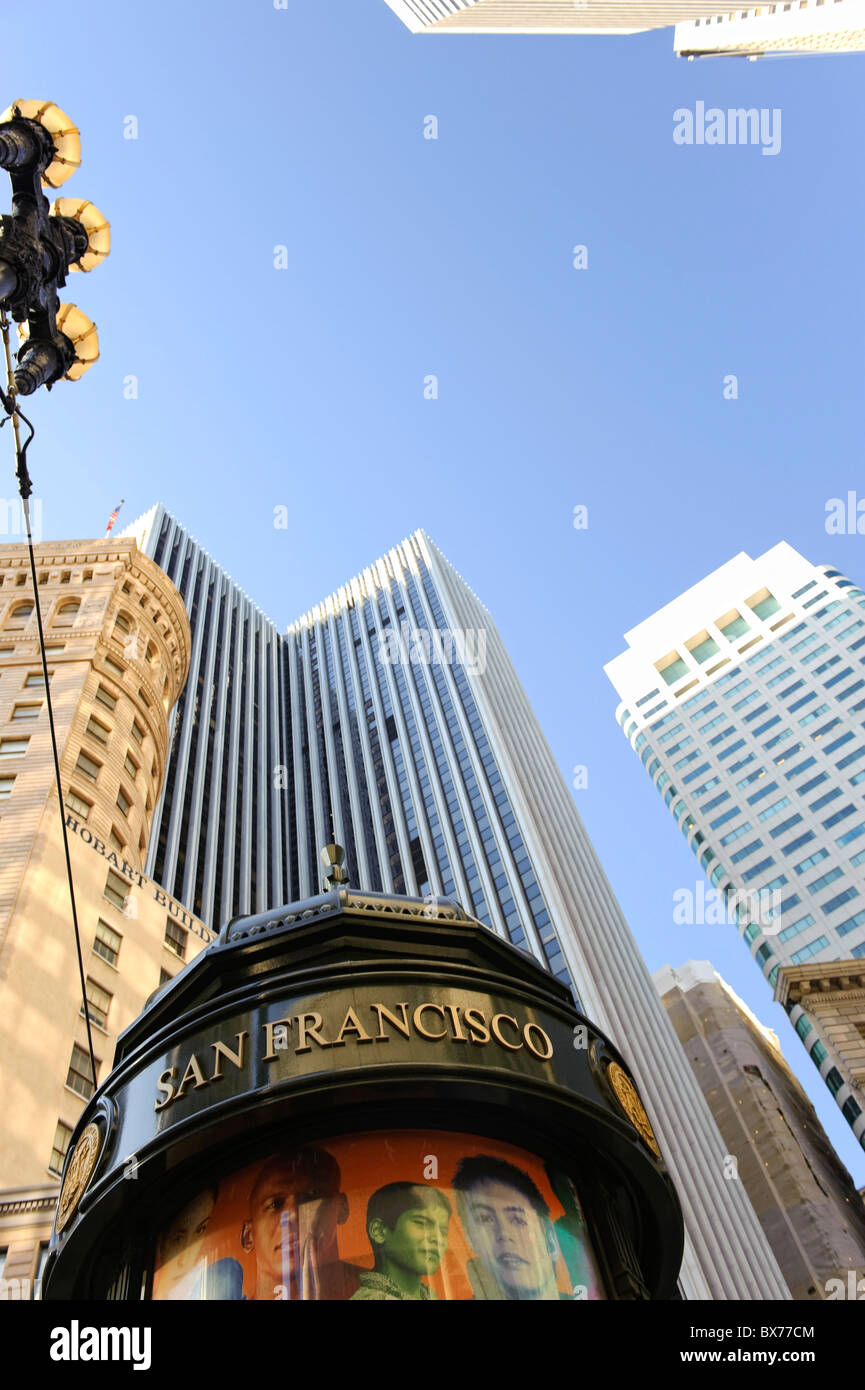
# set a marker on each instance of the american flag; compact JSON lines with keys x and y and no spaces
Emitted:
{"x":113,"y":517}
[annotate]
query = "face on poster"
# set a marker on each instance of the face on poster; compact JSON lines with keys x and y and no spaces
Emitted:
{"x":382,"y":1217}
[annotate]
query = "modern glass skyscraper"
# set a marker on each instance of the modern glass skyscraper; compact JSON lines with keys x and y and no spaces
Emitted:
{"x":389,"y":718}
{"x":744,"y":699}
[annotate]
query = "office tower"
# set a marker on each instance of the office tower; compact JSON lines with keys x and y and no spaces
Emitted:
{"x":837,"y":26}
{"x":117,"y":640}
{"x":390,"y":719}
{"x":544,"y":16}
{"x":744,"y":700}
{"x":806,"y":1201}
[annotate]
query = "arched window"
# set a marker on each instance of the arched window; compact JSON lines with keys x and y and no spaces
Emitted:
{"x":20,"y":615}
{"x":65,"y":615}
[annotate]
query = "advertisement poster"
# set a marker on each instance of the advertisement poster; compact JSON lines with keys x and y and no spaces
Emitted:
{"x":382,"y":1217}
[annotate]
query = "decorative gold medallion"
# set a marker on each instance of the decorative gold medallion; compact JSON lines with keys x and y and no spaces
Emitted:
{"x":630,"y":1102}
{"x":78,"y":1174}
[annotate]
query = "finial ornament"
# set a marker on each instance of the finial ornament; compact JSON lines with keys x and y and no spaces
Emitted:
{"x":332,"y":857}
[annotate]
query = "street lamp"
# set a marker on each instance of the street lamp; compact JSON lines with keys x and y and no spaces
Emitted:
{"x":40,"y":147}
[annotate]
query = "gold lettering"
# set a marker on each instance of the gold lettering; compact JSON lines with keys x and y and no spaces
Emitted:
{"x":193,"y":1073}
{"x":505,"y":1018}
{"x":471,"y":1017}
{"x":454,"y":1011}
{"x":351,"y":1024}
{"x":270,"y":1029}
{"x":418,"y":1015}
{"x":527,"y":1031}
{"x":402,"y":1026}
{"x":164,"y":1084}
{"x":304,"y":1028}
{"x":222,"y":1049}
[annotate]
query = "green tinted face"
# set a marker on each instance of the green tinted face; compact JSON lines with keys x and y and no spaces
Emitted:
{"x":419,"y":1239}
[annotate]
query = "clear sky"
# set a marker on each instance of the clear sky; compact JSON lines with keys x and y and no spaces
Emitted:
{"x":258,"y":387}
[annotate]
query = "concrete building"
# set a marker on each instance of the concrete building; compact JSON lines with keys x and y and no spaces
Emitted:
{"x":544,"y":16}
{"x":391,"y":719}
{"x":805,"y":1199}
{"x":804,"y":26}
{"x":117,"y":639}
{"x":744,"y":700}
{"x":826,"y":1004}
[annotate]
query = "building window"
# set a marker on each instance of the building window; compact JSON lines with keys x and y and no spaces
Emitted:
{"x":62,"y":1135}
{"x":116,"y":889}
{"x":122,"y":622}
{"x":20,"y":615}
{"x":66,"y":612}
{"x":106,"y":942}
{"x":13,"y":747}
{"x":732,"y":625}
{"x":98,"y":731}
{"x":137,"y":731}
{"x":31,"y":711}
{"x":98,"y":1002}
{"x":131,"y":767}
{"x":79,"y":1078}
{"x":113,"y":665}
{"x":36,"y":680}
{"x":105,"y":697}
{"x":763,"y":604}
{"x":76,"y":803}
{"x":115,"y":841}
{"x":123,"y":801}
{"x":672,"y":667}
{"x":176,"y":938}
{"x":164,"y":977}
{"x":88,"y":766}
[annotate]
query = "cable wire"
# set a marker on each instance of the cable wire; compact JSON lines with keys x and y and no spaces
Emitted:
{"x":10,"y":405}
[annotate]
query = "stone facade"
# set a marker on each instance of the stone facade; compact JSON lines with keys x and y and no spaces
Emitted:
{"x":804,"y":1198}
{"x":117,"y":639}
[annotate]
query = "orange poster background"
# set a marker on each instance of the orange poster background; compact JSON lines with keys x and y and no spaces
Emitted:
{"x":368,"y":1162}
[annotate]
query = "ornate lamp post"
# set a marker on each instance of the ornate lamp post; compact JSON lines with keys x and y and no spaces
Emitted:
{"x":40,"y":147}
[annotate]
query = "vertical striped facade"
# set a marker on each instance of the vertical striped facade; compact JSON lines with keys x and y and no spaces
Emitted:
{"x":390,"y":718}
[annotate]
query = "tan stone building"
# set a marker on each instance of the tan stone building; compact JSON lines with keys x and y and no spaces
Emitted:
{"x":804,"y":1197}
{"x":117,"y":638}
{"x":826,"y":1004}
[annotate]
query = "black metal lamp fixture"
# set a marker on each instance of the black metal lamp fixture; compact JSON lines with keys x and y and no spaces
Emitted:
{"x":40,"y":147}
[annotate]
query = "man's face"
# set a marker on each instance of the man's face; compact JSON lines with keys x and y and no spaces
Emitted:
{"x":292,"y":1215}
{"x":509,"y":1236}
{"x":419,"y":1238}
{"x":182,"y":1242}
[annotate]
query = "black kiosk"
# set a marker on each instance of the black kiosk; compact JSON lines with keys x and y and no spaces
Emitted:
{"x":364,"y":1097}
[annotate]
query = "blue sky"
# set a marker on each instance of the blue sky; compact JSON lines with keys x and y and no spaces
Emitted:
{"x":258,"y":387}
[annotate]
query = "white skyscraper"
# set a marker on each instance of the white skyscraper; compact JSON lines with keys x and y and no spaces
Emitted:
{"x":744,"y":699}
{"x":805,"y":26}
{"x":545,"y":16}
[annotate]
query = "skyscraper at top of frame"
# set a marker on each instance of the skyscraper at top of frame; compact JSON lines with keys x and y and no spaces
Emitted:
{"x":546,"y":16}
{"x":744,"y":699}
{"x":836,"y":26}
{"x":390,"y":718}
